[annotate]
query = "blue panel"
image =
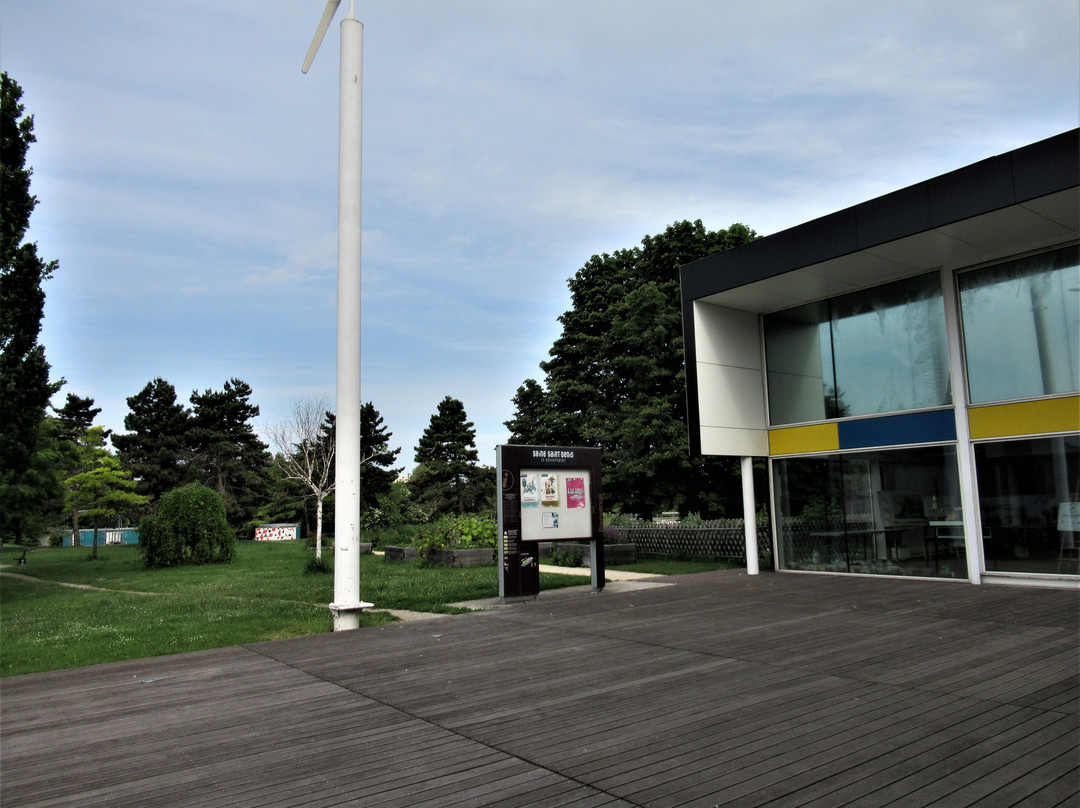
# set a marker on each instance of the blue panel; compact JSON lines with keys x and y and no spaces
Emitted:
{"x":892,"y":430}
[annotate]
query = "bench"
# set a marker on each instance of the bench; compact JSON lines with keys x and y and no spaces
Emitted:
{"x":21,"y":560}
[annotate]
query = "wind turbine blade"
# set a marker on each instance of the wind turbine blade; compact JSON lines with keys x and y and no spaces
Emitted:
{"x":320,"y":32}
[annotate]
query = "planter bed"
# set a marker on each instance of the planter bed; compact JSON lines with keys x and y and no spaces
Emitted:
{"x":476,"y":557}
{"x":396,"y":554}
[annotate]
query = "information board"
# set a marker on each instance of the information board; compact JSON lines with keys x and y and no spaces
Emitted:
{"x":546,"y":493}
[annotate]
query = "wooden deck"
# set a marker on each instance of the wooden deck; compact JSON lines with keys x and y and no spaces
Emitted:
{"x":720,"y":689}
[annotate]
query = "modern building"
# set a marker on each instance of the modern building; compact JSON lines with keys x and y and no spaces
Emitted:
{"x":910,"y":368}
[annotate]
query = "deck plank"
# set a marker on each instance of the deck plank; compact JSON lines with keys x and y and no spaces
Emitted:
{"x":721,"y":688}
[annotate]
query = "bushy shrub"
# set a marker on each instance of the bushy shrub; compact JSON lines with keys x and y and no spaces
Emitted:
{"x":190,"y":528}
{"x":567,"y":555}
{"x":455,"y":532}
{"x":621,"y":520}
{"x":692,"y":520}
{"x":318,"y":566}
{"x":396,"y":536}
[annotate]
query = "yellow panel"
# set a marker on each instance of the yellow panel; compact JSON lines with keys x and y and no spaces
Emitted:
{"x":799,"y":439}
{"x":1025,"y":418}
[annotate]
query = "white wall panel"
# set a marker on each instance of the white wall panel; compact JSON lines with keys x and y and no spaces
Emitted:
{"x":731,"y":390}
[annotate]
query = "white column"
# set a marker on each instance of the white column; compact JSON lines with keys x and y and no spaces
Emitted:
{"x":347,"y":604}
{"x":749,"y":516}
{"x":965,"y":456}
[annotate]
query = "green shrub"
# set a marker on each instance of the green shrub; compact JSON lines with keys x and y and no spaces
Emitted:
{"x":190,"y":528}
{"x":455,"y":532}
{"x":567,"y":556}
{"x":318,"y":566}
{"x":621,"y":520}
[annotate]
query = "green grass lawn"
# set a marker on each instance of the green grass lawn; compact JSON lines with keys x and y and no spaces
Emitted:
{"x":262,"y":595}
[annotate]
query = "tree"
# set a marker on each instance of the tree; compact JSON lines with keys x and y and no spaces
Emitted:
{"x":76,"y":417}
{"x":102,"y":491}
{"x":155,"y":447}
{"x":376,"y":474}
{"x":533,"y":421}
{"x":227,"y":454}
{"x":189,"y":528}
{"x":447,"y":457}
{"x":38,"y":501}
{"x":305,"y":453}
{"x":615,"y":379}
{"x":25,"y":388}
{"x":74,"y":421}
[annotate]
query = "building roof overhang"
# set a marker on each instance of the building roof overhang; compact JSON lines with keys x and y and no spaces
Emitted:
{"x":1012,"y":203}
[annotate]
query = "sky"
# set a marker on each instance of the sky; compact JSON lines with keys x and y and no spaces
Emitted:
{"x":186,"y":170}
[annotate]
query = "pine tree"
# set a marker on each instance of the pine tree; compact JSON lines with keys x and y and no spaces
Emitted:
{"x":376,"y":473}
{"x":102,"y":490}
{"x":25,"y":388}
{"x":447,"y":457}
{"x":76,"y":417}
{"x":155,"y":446}
{"x":227,"y":454}
{"x":74,"y":421}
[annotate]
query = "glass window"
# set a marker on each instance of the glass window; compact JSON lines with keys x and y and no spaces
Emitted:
{"x":873,"y":351}
{"x":883,"y":512}
{"x":1028,"y":490}
{"x":1021,"y":325}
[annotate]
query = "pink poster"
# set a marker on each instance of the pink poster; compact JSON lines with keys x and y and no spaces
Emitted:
{"x":575,"y":492}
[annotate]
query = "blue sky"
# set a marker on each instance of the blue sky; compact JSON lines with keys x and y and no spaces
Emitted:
{"x":186,"y":169}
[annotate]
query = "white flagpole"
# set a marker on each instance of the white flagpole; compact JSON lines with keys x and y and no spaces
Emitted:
{"x":347,"y":604}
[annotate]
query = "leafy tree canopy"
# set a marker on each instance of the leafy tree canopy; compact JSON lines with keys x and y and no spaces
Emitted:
{"x":616,"y":379}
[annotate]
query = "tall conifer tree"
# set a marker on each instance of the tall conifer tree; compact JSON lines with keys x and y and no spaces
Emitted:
{"x":447,"y":457}
{"x":25,"y":388}
{"x":227,"y":454}
{"x":155,"y":446}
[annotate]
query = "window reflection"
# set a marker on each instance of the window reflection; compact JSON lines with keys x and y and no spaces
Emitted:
{"x":1026,"y":493}
{"x":883,"y":512}
{"x":873,"y":351}
{"x":1022,"y":327}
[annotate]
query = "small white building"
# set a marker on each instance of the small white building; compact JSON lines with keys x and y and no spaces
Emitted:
{"x":277,"y":532}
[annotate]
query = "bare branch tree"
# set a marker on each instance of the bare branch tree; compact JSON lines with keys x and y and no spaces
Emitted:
{"x":304,"y":451}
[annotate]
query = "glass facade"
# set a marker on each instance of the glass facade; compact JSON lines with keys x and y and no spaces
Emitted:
{"x":1028,"y":490}
{"x":843,"y":505}
{"x":1021,"y":323}
{"x":894,"y":512}
{"x":873,"y":351}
